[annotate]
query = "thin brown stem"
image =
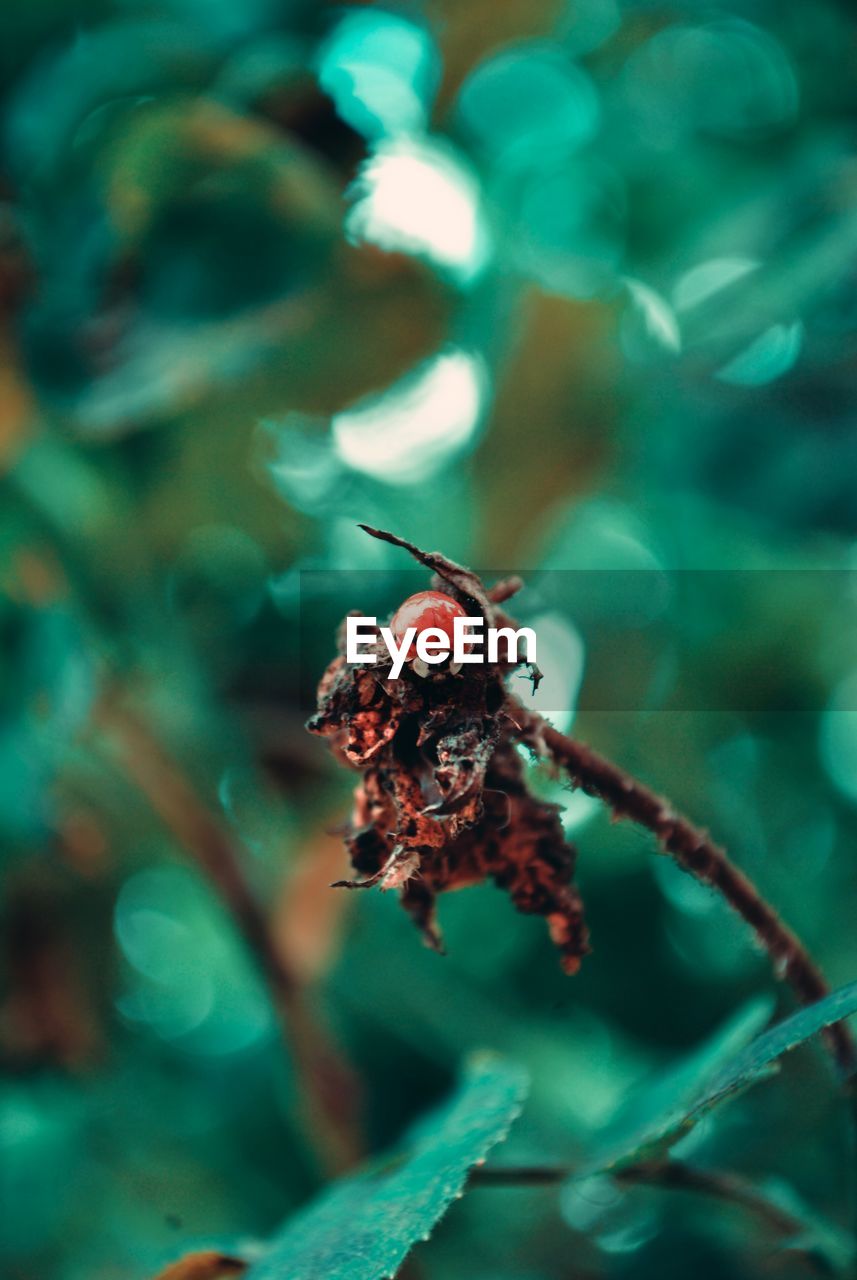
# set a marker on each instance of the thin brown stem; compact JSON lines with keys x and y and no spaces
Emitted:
{"x":694,"y":851}
{"x":675,"y":1175}
{"x":327,"y":1085}
{"x":670,"y":1175}
{"x":520,"y":1175}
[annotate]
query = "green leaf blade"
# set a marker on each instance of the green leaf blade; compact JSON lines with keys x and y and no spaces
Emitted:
{"x":755,"y":1060}
{"x":659,"y":1113}
{"x":730,"y":1061}
{"x":365,"y":1225}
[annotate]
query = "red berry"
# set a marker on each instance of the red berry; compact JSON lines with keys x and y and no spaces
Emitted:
{"x":423,"y":610}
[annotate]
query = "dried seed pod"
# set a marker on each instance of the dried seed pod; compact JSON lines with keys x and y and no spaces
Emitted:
{"x":427,"y":609}
{"x":443,"y":801}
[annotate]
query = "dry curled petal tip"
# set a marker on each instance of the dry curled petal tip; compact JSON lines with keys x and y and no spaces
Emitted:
{"x":536,"y":675}
{"x":505,"y":589}
{"x":450,"y":803}
{"x":358,"y":884}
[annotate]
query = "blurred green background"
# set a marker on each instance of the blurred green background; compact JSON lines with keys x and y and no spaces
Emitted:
{"x":542,"y":284}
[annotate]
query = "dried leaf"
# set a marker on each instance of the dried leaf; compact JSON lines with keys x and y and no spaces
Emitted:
{"x":205,"y":1265}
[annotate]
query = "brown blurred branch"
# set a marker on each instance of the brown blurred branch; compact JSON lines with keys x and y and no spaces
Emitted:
{"x":47,"y":1014}
{"x":327,"y":1085}
{"x":694,"y":851}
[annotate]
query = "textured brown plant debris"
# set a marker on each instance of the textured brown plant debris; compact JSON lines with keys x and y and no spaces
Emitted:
{"x":206,"y":1265}
{"x":442,"y":802}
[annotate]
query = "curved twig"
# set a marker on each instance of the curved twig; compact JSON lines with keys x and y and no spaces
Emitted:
{"x":694,"y":851}
{"x":691,"y":846}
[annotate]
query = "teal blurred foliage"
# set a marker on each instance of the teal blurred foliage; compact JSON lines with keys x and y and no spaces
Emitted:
{"x":546,"y":285}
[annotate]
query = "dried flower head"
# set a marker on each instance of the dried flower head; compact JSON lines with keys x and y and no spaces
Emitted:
{"x":443,"y":801}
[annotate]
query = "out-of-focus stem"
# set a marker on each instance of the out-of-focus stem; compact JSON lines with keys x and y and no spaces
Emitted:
{"x":328,"y":1087}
